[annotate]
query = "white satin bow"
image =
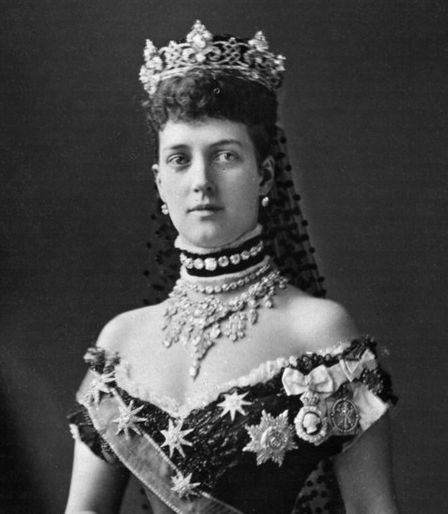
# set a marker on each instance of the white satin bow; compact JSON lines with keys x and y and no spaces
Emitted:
{"x":321,"y":380}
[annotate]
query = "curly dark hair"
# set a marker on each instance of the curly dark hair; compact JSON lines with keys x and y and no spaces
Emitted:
{"x":200,"y":94}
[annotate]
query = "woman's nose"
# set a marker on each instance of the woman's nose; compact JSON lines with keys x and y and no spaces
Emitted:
{"x":202,"y":175}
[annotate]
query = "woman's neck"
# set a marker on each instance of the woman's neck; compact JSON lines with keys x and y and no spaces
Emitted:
{"x":182,"y":244}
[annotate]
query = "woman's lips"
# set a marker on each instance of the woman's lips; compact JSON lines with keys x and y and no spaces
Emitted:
{"x":205,"y":208}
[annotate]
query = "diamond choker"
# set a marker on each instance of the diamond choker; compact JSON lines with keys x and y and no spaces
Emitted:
{"x":230,"y":260}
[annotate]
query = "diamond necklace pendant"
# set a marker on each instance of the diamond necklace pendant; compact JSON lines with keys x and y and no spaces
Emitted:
{"x":199,"y":323}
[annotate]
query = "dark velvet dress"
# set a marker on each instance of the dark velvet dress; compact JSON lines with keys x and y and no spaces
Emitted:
{"x":250,"y":447}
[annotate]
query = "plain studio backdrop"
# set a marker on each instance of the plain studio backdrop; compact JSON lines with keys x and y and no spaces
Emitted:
{"x":365,"y":109}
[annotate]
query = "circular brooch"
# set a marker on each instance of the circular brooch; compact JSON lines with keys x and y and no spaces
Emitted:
{"x":311,"y":425}
{"x":344,"y":416}
{"x":274,"y":439}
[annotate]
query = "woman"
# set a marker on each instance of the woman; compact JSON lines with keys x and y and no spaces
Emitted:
{"x":269,"y":379}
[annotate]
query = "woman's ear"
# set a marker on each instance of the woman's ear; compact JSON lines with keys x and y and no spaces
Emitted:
{"x":155,"y":172}
{"x":267,"y":173}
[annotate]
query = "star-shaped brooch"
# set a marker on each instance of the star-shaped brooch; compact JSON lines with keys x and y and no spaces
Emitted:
{"x":183,"y":486}
{"x":98,"y":386}
{"x":232,"y":404}
{"x":128,"y":418}
{"x":175,"y":437}
{"x":271,"y":438}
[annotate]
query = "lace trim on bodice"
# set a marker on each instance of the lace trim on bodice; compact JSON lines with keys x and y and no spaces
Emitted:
{"x":260,"y":374}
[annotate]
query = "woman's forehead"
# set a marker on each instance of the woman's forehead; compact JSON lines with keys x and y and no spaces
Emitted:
{"x":204,"y":132}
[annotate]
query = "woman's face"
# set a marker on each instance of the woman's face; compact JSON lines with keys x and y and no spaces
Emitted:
{"x":209,"y":178}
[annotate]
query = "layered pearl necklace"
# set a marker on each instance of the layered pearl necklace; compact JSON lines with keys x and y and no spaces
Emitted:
{"x":197,"y":316}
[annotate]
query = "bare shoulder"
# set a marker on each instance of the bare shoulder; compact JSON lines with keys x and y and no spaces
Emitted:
{"x":319,"y":323}
{"x":126,"y":328}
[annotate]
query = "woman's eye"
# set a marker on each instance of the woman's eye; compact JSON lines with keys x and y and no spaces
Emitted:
{"x":178,"y":160}
{"x":225,"y":157}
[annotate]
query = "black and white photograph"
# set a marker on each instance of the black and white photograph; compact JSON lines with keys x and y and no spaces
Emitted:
{"x":223,"y":257}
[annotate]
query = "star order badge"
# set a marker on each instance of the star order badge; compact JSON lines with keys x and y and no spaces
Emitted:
{"x":183,"y":486}
{"x":175,"y":437}
{"x":128,"y":418}
{"x":271,"y":438}
{"x":98,"y":386}
{"x":232,"y":404}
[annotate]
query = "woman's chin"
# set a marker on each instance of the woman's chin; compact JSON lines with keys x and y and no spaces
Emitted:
{"x":208,"y":242}
{"x":209,"y":235}
{"x":211,"y":239}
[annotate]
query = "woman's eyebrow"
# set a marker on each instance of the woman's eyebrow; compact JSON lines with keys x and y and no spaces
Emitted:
{"x":180,"y":146}
{"x":227,"y":142}
{"x":221,"y":142}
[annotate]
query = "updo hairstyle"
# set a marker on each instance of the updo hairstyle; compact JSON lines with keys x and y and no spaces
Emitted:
{"x":202,"y":93}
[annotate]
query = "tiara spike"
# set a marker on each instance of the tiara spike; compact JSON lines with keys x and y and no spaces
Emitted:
{"x":199,"y":37}
{"x":259,"y":42}
{"x":249,"y":59}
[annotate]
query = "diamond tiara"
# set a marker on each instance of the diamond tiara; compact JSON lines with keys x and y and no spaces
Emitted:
{"x":249,"y":59}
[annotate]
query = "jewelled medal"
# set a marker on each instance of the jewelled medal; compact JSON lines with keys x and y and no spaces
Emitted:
{"x":344,"y":416}
{"x":311,"y":423}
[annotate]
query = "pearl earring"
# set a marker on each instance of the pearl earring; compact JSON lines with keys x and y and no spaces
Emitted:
{"x":164,"y":208}
{"x":265,"y":201}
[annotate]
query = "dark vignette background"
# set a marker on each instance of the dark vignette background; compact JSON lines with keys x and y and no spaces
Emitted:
{"x":366,"y":115}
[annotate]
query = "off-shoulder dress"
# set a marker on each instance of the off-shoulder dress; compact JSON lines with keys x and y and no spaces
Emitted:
{"x":246,"y":447}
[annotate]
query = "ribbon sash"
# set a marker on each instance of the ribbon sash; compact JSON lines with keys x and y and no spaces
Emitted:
{"x":147,"y":461}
